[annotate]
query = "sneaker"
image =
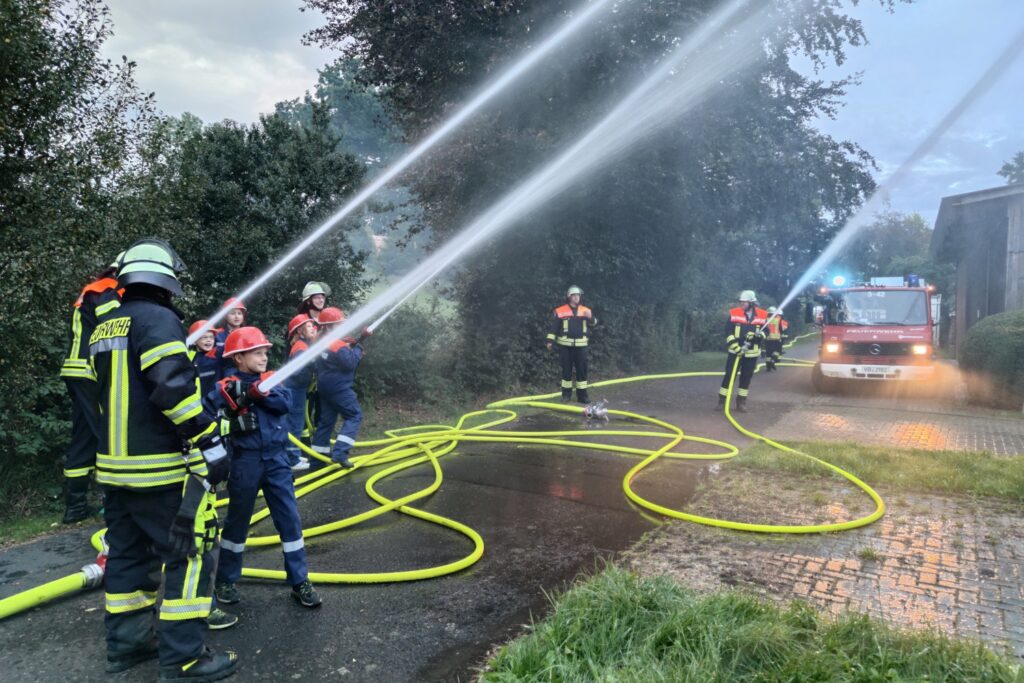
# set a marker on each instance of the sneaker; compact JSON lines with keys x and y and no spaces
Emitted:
{"x":219,"y":619}
{"x":302,"y":465}
{"x":126,"y":660}
{"x":211,"y":666}
{"x":227,"y":593}
{"x":306,"y":595}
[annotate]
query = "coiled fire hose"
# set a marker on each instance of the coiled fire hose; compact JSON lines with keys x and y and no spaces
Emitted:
{"x":426,"y":445}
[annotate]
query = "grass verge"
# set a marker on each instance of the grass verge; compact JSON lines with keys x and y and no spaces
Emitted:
{"x":961,"y":472}
{"x":619,"y":627}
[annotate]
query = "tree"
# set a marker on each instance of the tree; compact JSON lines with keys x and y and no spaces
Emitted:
{"x":743,"y":193}
{"x":68,"y":126}
{"x":1013,"y":170}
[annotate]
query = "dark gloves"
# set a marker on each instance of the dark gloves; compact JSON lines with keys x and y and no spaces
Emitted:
{"x":246,"y":422}
{"x":218,"y":464}
{"x":365,"y":334}
{"x":182,"y":536}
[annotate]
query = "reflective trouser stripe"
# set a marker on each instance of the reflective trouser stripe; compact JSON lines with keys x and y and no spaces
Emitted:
{"x":562,"y":341}
{"x":292,"y":546}
{"x":582,"y":385}
{"x":118,"y":603}
{"x":185,"y":608}
{"x":323,"y":450}
{"x":77,"y":473}
{"x":225,"y":544}
{"x":743,"y":392}
{"x":191,"y":586}
{"x":567,"y":384}
{"x":722,"y":391}
{"x":345,"y":439}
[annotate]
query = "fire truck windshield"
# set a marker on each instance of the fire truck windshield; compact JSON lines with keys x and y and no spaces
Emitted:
{"x":878,"y":307}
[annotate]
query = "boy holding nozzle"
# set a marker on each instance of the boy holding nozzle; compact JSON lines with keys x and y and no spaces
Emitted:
{"x":258,"y":433}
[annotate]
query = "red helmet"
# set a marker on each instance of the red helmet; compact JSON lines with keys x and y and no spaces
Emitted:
{"x":233,"y":303}
{"x":245,"y":339}
{"x":331,"y":315}
{"x":297,"y":322}
{"x":196,"y":326}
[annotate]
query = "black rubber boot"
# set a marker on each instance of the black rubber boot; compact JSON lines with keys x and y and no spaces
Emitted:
{"x":566,"y":396}
{"x":126,"y":660}
{"x":211,"y":666}
{"x":76,"y":500}
{"x":581,"y":396}
{"x":741,"y":404}
{"x":721,"y":403}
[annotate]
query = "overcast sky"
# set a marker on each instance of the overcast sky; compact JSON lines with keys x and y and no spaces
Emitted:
{"x":233,"y":59}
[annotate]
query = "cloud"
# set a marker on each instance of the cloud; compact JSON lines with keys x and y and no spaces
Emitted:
{"x":227,"y":59}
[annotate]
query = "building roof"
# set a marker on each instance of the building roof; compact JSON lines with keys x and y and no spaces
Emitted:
{"x":954,"y":215}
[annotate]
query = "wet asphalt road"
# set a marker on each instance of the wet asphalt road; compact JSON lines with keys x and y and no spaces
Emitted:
{"x":546,"y":514}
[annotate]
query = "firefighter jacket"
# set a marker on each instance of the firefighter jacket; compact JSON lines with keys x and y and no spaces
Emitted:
{"x":777,"y":328}
{"x":571,"y":326}
{"x":149,"y":395}
{"x":739,"y":328}
{"x":271,"y":434}
{"x":336,"y":367}
{"x":97,"y":298}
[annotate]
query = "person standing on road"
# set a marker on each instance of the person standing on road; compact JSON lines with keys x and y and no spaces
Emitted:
{"x":571,"y":325}
{"x":97,"y":298}
{"x":776,"y":334}
{"x":743,"y":339}
{"x":160,"y":459}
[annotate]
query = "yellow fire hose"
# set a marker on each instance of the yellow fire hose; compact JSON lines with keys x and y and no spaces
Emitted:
{"x":426,"y":445}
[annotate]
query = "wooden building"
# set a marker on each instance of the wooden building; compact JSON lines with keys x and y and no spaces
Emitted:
{"x":983,"y":234}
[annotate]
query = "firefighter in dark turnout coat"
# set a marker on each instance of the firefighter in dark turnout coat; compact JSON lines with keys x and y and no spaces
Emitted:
{"x":571,"y":326}
{"x":159,"y":458}
{"x":744,"y":339}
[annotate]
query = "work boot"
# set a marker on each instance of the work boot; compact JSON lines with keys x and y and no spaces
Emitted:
{"x":211,"y":666}
{"x":126,"y":660}
{"x":721,"y":403}
{"x":741,"y":404}
{"x":226,"y":592}
{"x":566,"y":396}
{"x":76,"y":500}
{"x":581,"y":396}
{"x":343,"y":461}
{"x":306,"y":595}
{"x":220,"y":620}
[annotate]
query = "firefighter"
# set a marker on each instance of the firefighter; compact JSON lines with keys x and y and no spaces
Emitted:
{"x":314,"y":298}
{"x":259,"y":433}
{"x":776,"y":334}
{"x":236,"y":317}
{"x":159,"y":459}
{"x":744,"y":339}
{"x":97,"y":298}
{"x":301,"y":333}
{"x":571,"y":324}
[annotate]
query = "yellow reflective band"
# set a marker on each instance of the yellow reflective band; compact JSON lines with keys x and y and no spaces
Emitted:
{"x":184,"y":609}
{"x":191,"y":587}
{"x":117,"y":421}
{"x":77,"y":473}
{"x":186,"y":410}
{"x":157,"y":353}
{"x":76,"y":335}
{"x":77,"y":370}
{"x":565,"y":341}
{"x":551,"y":336}
{"x":118,"y":603}
{"x":567,"y":384}
{"x":103,"y":309}
{"x":144,"y":471}
{"x":582,"y":385}
{"x":111,"y":329}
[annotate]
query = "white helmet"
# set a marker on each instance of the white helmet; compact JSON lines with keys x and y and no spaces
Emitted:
{"x":748,"y":295}
{"x":771,"y":309}
{"x":313,"y":288}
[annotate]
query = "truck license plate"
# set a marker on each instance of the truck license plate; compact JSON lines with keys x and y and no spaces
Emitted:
{"x":875,"y":370}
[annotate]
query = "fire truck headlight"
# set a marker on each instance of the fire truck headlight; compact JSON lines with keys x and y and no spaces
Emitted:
{"x":832,"y":347}
{"x":921,"y":349}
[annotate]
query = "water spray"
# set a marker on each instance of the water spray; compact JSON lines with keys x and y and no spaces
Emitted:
{"x":675,"y":86}
{"x":862,"y":217}
{"x":527,"y":62}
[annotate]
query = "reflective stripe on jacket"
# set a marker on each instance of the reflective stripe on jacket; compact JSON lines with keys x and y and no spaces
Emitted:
{"x":740,"y":323}
{"x":571,"y":326}
{"x":149,"y":395}
{"x":96,"y":299}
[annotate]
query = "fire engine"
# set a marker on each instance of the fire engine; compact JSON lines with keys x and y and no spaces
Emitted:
{"x":878,"y":331}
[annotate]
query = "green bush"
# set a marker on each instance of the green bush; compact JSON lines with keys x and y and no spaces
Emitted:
{"x":992,"y":357}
